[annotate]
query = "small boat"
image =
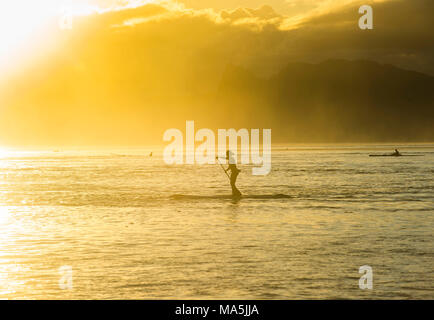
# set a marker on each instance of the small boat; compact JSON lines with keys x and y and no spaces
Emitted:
{"x":396,"y":155}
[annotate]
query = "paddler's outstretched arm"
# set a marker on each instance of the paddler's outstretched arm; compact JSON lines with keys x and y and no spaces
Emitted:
{"x":218,"y":159}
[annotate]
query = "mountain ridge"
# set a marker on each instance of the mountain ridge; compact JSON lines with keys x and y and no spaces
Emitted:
{"x":361,"y":100}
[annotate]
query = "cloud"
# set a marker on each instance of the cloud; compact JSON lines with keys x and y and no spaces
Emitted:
{"x":264,"y":12}
{"x":329,"y":29}
{"x":401,"y":34}
{"x":279,"y":5}
{"x":163,"y":56}
{"x":132,"y":13}
{"x":261,"y":38}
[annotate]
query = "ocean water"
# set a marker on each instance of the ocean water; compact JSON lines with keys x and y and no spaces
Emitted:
{"x":112,"y":217}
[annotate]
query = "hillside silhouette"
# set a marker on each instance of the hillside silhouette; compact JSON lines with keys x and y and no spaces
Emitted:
{"x":337,"y":101}
{"x":333,"y":101}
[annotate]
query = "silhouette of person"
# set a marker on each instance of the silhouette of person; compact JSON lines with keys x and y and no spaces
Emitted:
{"x":234,"y":173}
{"x":396,"y":153}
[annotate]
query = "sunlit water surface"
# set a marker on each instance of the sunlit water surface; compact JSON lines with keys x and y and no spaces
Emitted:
{"x":109,"y":215}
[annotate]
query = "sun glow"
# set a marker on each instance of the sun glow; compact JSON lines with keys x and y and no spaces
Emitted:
{"x":22,"y":20}
{"x":4,"y":153}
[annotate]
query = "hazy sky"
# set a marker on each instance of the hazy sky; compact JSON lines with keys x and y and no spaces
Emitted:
{"x":74,"y":84}
{"x":20,"y":20}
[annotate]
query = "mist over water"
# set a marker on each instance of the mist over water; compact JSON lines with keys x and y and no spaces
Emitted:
{"x":112,"y":215}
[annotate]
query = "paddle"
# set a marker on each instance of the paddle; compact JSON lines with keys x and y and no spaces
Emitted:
{"x":223,"y":168}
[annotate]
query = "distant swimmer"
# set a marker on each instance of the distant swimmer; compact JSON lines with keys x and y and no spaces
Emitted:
{"x":396,"y":153}
{"x":150,"y":154}
{"x":234,"y":174}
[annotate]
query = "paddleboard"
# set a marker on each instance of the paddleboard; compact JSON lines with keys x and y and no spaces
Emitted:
{"x":229,"y":197}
